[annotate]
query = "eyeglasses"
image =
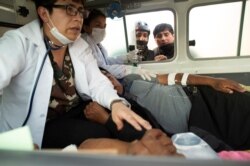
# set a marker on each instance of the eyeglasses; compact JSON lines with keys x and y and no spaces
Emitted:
{"x":72,"y":11}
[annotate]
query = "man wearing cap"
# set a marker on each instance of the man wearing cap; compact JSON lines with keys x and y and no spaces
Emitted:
{"x":142,"y":32}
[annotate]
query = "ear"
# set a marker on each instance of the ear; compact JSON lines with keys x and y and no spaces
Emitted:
{"x":43,"y":14}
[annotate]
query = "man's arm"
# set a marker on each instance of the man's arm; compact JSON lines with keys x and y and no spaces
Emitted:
{"x":220,"y":84}
{"x":154,"y":142}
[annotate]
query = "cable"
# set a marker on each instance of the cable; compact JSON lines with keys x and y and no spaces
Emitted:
{"x":50,"y":46}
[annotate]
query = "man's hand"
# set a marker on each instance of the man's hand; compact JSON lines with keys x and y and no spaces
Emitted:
{"x":160,"y":58}
{"x":226,"y":86}
{"x":95,"y":112}
{"x":121,"y":112}
{"x":154,"y":142}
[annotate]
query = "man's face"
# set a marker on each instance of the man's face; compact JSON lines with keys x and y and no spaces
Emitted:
{"x":164,"y":37}
{"x":142,"y":36}
{"x":141,"y":39}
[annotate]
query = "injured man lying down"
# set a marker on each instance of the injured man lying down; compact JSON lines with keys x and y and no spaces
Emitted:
{"x":215,"y":109}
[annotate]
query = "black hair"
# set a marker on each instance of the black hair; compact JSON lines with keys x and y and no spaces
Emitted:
{"x":162,"y":27}
{"x":48,"y":5}
{"x":93,"y":14}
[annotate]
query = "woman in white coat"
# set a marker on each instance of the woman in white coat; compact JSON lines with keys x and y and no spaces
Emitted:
{"x":47,"y":70}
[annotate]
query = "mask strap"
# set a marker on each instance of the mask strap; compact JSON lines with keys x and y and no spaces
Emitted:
{"x":49,"y":21}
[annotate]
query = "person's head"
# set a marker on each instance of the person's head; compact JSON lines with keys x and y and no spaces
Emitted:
{"x":163,"y":34}
{"x":95,"y":25}
{"x":117,"y":85}
{"x":61,"y":19}
{"x":142,"y":31}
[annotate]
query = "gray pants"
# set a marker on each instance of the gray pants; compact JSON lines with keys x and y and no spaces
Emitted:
{"x":168,"y":104}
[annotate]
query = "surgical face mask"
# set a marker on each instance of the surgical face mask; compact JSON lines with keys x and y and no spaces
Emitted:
{"x":60,"y":37}
{"x":98,"y":34}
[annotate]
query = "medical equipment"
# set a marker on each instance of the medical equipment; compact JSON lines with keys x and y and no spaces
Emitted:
{"x":50,"y":46}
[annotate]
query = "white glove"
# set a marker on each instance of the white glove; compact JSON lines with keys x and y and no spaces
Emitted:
{"x":145,"y":74}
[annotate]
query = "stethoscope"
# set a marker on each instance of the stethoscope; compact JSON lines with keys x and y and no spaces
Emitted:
{"x":50,"y":46}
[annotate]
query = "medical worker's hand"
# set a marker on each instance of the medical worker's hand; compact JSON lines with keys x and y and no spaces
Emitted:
{"x":120,"y":112}
{"x":145,"y":74}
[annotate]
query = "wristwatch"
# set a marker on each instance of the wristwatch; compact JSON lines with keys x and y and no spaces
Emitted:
{"x":120,"y":100}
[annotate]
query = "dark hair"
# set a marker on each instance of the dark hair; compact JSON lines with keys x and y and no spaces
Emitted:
{"x":48,"y":5}
{"x":93,"y":14}
{"x":162,"y":27}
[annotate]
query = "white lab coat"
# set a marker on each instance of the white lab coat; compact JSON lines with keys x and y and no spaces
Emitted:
{"x":21,"y":54}
{"x":113,"y":65}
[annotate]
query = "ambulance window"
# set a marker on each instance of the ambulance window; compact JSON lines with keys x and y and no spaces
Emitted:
{"x":245,"y":49}
{"x":152,"y":19}
{"x":115,"y":40}
{"x":217,"y":33}
{"x":119,"y":36}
